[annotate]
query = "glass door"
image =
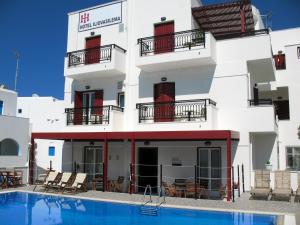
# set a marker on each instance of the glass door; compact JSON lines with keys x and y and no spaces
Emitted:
{"x":93,"y":158}
{"x":88,"y":101}
{"x":209,"y":169}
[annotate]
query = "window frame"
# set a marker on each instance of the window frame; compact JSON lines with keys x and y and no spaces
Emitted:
{"x":119,"y":101}
{"x":293,"y":154}
{"x":53,"y":153}
{"x":2,"y":107}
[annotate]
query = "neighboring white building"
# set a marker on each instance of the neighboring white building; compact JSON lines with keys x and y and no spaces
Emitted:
{"x":14,"y":135}
{"x":147,"y":86}
{"x":46,"y":114}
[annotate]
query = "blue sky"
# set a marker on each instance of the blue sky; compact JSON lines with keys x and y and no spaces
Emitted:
{"x":38,"y":30}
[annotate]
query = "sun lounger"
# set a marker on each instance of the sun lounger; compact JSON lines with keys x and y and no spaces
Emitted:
{"x":261,"y":187}
{"x":78,"y":184}
{"x":282,"y":185}
{"x":49,"y":179}
{"x":59,"y":185}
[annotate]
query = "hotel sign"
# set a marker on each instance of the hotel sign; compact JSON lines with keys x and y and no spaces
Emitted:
{"x":100,"y":17}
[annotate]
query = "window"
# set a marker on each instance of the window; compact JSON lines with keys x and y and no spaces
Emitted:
{"x":19,"y":111}
{"x":121,"y":99}
{"x":51,"y":151}
{"x":1,"y":107}
{"x":298,"y":52}
{"x":9,"y":147}
{"x":293,"y":158}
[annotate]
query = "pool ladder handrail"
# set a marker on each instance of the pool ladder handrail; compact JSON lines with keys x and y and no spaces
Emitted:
{"x":150,"y":195}
{"x":161,"y":193}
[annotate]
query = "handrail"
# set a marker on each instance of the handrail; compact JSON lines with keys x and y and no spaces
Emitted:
{"x":90,"y":115}
{"x":169,"y":42}
{"x":150,"y":195}
{"x":263,"y":101}
{"x":102,"y":46}
{"x":92,"y":55}
{"x":190,"y":110}
{"x":227,"y":35}
{"x":166,"y":35}
{"x":209,"y":101}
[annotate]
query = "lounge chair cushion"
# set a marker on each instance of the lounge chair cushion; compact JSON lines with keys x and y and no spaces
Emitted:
{"x":282,"y":191}
{"x":260,"y":191}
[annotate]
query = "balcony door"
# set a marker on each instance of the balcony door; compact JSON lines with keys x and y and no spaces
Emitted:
{"x":164,"y":37}
{"x":88,"y":107}
{"x":164,"y":102}
{"x":92,"y":46}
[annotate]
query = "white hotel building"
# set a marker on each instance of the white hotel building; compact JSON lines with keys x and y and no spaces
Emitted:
{"x":183,"y":89}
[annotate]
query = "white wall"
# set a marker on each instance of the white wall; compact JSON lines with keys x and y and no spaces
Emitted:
{"x":46,"y":114}
{"x":9,"y":99}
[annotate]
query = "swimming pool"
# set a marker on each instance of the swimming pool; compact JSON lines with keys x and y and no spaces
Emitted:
{"x":20,"y":208}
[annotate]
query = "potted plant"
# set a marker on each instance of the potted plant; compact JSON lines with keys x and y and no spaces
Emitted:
{"x":268,"y":165}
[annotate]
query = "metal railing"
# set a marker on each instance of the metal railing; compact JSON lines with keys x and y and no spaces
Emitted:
{"x":92,"y":55}
{"x":228,"y":35}
{"x":260,"y":102}
{"x":170,"y":42}
{"x":91,"y":115}
{"x":184,"y":110}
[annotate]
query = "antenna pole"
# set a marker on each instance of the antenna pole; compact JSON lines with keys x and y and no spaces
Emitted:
{"x":17,"y":54}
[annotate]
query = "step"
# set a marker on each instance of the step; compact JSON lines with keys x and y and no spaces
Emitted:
{"x":148,"y":210}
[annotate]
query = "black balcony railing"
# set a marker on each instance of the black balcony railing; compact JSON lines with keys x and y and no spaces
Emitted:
{"x":92,"y":115}
{"x":186,"y":110}
{"x":260,"y":102}
{"x":92,"y":55}
{"x":170,"y":42}
{"x":229,"y":35}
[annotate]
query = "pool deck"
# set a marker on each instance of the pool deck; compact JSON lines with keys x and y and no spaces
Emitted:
{"x":241,"y":204}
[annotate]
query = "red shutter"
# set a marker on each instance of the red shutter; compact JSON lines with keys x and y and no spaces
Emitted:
{"x":164,"y":98}
{"x":78,"y":108}
{"x":164,"y":43}
{"x":98,"y":104}
{"x":92,"y":46}
{"x":279,"y":61}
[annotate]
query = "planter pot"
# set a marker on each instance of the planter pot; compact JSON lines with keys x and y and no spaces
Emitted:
{"x":268,"y":166}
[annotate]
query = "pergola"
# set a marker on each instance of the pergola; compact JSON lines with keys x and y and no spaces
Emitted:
{"x":225,"y":20}
{"x":133,"y":137}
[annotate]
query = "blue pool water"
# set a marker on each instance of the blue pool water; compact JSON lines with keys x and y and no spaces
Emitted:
{"x":19,"y":208}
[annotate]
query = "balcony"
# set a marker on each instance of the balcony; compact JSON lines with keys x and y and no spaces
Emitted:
{"x":262,"y":115}
{"x":102,"y":61}
{"x":106,"y":117}
{"x":177,"y":50}
{"x":171,"y":114}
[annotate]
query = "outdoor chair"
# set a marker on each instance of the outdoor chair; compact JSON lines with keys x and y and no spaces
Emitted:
{"x":169,"y":189}
{"x":119,"y":184}
{"x":297,"y":194}
{"x":190,"y":191}
{"x":3,"y":183}
{"x":262,"y":187}
{"x":59,"y":185}
{"x":282,"y":185}
{"x":49,"y":179}
{"x":79,"y":184}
